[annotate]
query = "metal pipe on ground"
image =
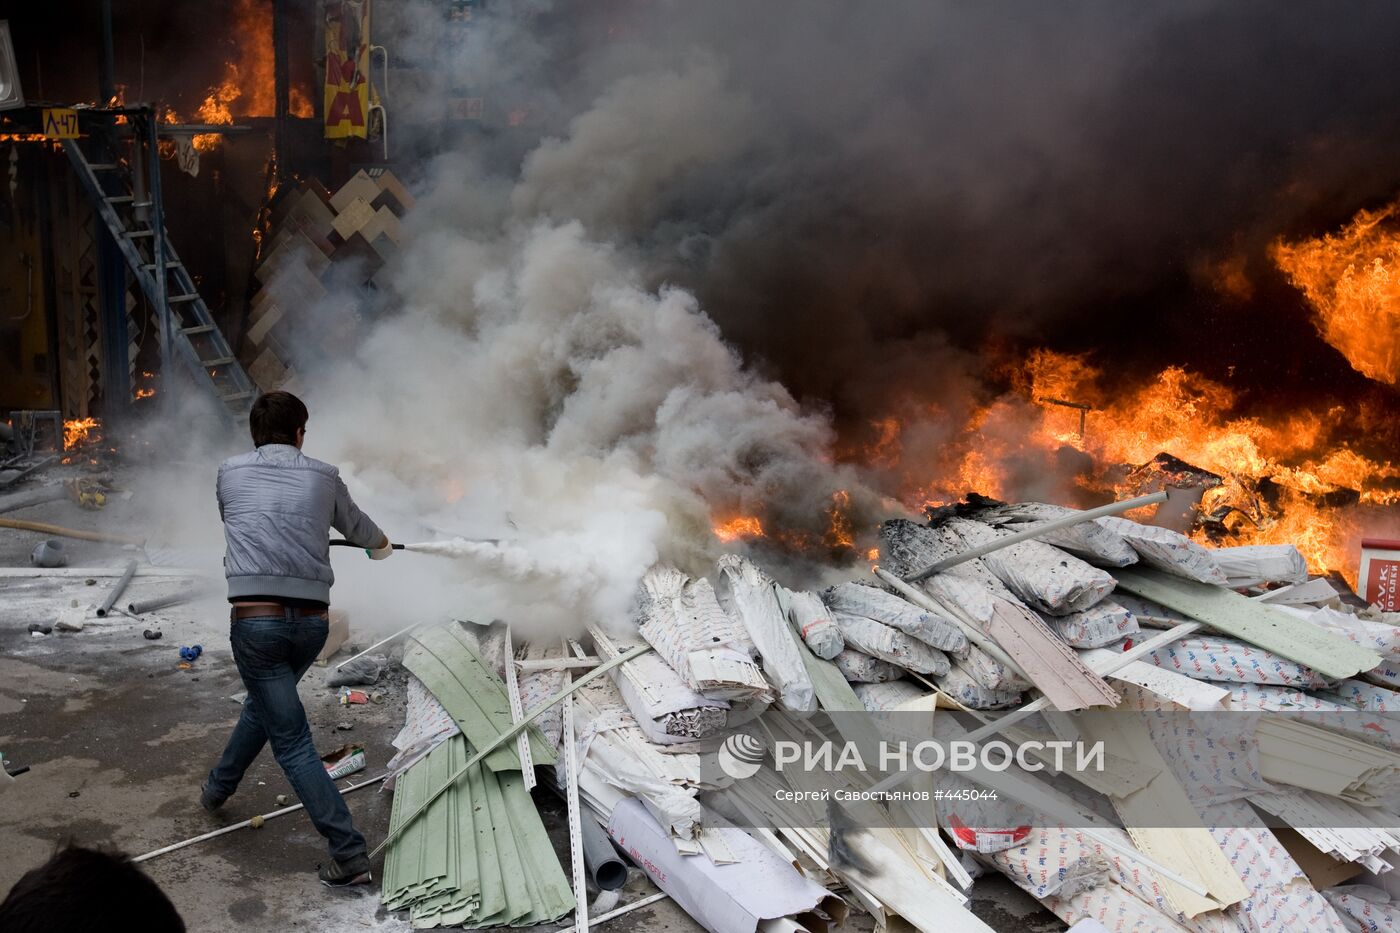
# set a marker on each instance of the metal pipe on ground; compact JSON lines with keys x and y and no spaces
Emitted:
{"x":1113,"y":508}
{"x":116,"y":591}
{"x":624,"y":909}
{"x":160,"y":602}
{"x":10,"y":481}
{"x":23,"y":500}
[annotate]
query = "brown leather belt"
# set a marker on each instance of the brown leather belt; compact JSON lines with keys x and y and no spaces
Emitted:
{"x":262,"y":610}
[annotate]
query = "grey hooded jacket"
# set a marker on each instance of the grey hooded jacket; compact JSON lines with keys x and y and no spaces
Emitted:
{"x":278,"y":506}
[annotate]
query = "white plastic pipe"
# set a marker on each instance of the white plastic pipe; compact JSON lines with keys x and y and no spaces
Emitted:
{"x":379,"y":644}
{"x":248,"y":822}
{"x":625,"y":908}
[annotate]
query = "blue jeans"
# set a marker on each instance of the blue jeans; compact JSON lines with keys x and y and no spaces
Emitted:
{"x":272,"y":653}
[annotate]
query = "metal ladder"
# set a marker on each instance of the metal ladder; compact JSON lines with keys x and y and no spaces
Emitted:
{"x":195,"y":337}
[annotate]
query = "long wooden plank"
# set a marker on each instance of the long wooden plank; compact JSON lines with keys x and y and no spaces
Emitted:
{"x":1048,"y":662}
{"x":1018,"y":638}
{"x":7,"y":573}
{"x":1232,"y":614}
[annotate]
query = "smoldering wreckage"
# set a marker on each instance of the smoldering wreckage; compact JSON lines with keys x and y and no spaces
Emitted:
{"x":990,"y":622}
{"x":672,"y":735}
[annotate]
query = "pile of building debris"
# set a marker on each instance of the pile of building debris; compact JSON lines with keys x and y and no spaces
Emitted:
{"x":1028,"y":608}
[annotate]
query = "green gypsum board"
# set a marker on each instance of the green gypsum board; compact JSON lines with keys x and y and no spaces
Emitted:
{"x":471,"y":693}
{"x":1232,"y":614}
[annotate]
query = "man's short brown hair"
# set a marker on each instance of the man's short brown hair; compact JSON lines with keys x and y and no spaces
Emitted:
{"x":276,"y":417}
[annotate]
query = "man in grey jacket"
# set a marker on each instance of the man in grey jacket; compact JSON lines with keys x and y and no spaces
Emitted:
{"x":278,"y":506}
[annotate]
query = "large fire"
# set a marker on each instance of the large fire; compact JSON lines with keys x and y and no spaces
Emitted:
{"x":1286,"y":481}
{"x":1352,"y":280}
{"x":1066,"y":432}
{"x":249,"y":85}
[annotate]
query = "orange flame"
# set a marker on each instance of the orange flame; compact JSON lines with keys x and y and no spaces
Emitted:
{"x":1352,"y":280}
{"x":839,"y":532}
{"x":80,"y":431}
{"x":249,"y":84}
{"x":1008,"y":446}
{"x":740,"y":527}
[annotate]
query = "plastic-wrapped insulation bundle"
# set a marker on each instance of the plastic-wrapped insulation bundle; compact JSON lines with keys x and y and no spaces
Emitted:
{"x":907,"y":547}
{"x":861,"y":668}
{"x":1094,"y":627}
{"x":989,"y":672}
{"x":889,"y":644}
{"x":1216,"y":658}
{"x":1167,"y":550}
{"x":859,"y":599}
{"x":881,"y":698}
{"x":814,"y":623}
{"x":1089,"y":540}
{"x":1252,"y":564}
{"x":749,"y":593}
{"x":967,"y":592}
{"x":683,"y":621}
{"x":961,"y":686}
{"x":1044,"y":577}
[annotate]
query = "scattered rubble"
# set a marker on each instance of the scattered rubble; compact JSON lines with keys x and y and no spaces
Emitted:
{"x":365,"y":670}
{"x":1122,"y":621}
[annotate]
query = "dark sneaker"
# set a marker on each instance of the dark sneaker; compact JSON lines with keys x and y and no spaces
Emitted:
{"x":343,"y":874}
{"x":208,"y":799}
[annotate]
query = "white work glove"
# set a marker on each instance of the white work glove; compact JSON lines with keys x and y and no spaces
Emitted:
{"x":379,"y":553}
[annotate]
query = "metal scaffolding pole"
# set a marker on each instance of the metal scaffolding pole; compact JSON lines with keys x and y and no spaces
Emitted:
{"x":158,"y":246}
{"x":280,"y":87}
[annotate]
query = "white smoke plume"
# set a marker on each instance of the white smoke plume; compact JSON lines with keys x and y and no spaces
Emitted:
{"x":527,"y":386}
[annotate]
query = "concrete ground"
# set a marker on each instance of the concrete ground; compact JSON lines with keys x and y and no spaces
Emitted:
{"x":118,"y":737}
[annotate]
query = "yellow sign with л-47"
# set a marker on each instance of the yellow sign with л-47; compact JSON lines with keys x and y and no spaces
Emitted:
{"x":60,"y":123}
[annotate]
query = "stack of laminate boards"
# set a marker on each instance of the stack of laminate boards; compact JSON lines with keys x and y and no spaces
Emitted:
{"x":1295,"y":829}
{"x":318,"y":243}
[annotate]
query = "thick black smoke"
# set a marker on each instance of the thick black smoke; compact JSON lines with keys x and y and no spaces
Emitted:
{"x":894,"y":189}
